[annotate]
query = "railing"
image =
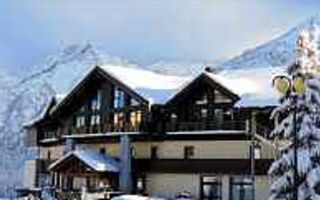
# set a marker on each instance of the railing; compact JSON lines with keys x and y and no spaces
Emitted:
{"x":108,"y":127}
{"x":101,"y":128}
{"x":264,"y":131}
{"x":201,"y":126}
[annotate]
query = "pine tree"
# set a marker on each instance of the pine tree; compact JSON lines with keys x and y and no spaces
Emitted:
{"x":304,"y":109}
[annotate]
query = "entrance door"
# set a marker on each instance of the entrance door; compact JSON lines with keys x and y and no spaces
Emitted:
{"x":210,"y":188}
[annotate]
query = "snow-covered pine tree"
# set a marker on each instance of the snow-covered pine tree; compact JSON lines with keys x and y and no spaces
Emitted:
{"x":307,"y":109}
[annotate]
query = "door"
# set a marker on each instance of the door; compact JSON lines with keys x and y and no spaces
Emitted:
{"x":211,"y":188}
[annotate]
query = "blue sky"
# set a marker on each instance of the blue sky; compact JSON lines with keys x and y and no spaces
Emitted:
{"x":144,"y":31}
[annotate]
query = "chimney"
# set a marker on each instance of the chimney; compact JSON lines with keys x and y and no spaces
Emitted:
{"x":209,"y":69}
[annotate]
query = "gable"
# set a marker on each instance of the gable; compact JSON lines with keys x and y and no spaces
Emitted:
{"x":97,"y":79}
{"x":203,"y":87}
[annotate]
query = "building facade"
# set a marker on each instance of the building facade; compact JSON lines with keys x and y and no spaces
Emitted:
{"x":193,"y":139}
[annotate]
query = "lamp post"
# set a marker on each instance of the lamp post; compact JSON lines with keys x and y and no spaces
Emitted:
{"x":292,"y":87}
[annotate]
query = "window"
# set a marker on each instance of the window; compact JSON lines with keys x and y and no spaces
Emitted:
{"x":80,"y":121}
{"x":48,"y":134}
{"x":141,"y":184}
{"x":257,"y":152}
{"x":211,"y":188}
{"x":102,"y":151}
{"x":241,"y":188}
{"x":221,"y":98}
{"x":49,"y":155}
{"x":154,"y":152}
{"x":118,"y":120}
{"x":204,"y":113}
{"x":82,"y":109}
{"x":188,"y":152}
{"x":133,"y":152}
{"x":228,"y":114}
{"x":95,"y":120}
{"x":96,"y":101}
{"x":135,"y":118}
{"x":202,"y":101}
{"x":119,"y":100}
{"x":134,"y":102}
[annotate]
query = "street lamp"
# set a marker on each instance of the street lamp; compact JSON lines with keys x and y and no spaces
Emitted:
{"x":292,"y":87}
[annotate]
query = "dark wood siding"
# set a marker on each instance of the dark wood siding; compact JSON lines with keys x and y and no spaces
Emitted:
{"x":215,"y":166}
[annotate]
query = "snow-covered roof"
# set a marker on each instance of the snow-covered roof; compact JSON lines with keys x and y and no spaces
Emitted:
{"x":154,"y":87}
{"x":97,"y":161}
{"x":253,"y":85}
{"x":58,"y":98}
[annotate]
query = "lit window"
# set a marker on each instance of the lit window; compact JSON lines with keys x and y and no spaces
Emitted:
{"x":118,"y":120}
{"x":95,"y":120}
{"x":80,"y":121}
{"x":135,"y":118}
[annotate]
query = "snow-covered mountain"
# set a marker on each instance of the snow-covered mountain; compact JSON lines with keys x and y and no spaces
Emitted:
{"x":22,"y":99}
{"x":277,"y":52}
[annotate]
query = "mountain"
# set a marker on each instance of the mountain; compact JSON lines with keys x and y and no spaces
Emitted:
{"x":277,"y":52}
{"x":23,"y":99}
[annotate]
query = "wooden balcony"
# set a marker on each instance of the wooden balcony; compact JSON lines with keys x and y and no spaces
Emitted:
{"x":107,"y":128}
{"x":205,"y":126}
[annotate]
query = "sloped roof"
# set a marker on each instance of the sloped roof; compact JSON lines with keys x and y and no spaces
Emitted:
{"x":154,"y":87}
{"x":253,"y":85}
{"x":96,"y":161}
{"x":211,"y":78}
{"x":55,"y":100}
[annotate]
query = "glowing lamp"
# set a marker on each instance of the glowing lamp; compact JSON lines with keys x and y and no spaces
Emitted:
{"x":299,"y":85}
{"x":282,"y":84}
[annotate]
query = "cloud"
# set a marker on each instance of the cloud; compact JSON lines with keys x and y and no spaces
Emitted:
{"x":144,"y":30}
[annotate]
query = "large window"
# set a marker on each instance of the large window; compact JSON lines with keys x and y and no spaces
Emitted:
{"x":95,"y":120}
{"x":118,"y":121}
{"x":241,"y":188}
{"x":80,"y":121}
{"x":135,"y":118}
{"x":211,"y":188}
{"x":119,"y":98}
{"x":96,"y":101}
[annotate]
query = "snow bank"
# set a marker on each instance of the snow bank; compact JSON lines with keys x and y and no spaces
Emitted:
{"x":136,"y":197}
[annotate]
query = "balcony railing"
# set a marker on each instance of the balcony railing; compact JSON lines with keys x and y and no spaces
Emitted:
{"x":100,"y":128}
{"x":205,"y":126}
{"x":107,"y":128}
